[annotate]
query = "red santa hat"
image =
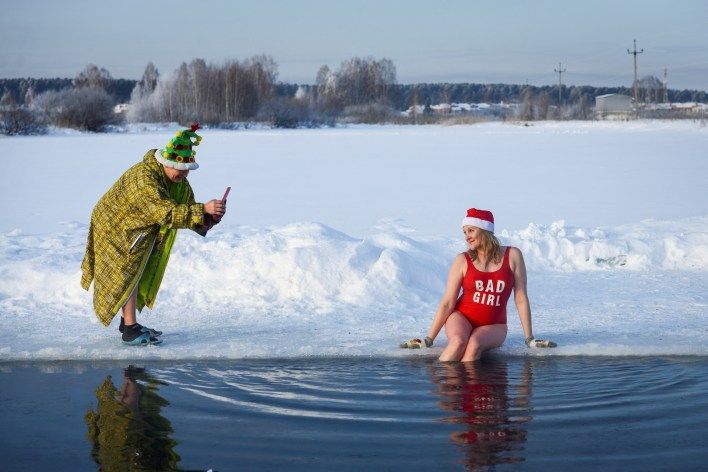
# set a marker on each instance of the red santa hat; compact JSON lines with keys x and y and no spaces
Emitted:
{"x":480,"y":218}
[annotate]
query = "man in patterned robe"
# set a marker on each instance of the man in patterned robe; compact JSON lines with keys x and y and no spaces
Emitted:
{"x":132,"y":230}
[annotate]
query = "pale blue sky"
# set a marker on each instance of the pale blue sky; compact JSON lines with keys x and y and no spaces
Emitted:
{"x":429,"y":41}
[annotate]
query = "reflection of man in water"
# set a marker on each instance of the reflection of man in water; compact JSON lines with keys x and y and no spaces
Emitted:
{"x":478,"y":394}
{"x":127,"y":430}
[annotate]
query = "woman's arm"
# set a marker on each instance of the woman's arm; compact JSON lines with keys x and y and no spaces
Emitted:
{"x":449,"y":299}
{"x":521,"y":299}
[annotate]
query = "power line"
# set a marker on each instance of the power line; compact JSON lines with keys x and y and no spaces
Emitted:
{"x":635,"y":85}
{"x":559,"y":71}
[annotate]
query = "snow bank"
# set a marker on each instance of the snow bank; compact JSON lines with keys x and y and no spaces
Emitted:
{"x":308,"y":289}
{"x":312,"y":268}
{"x":651,"y":244}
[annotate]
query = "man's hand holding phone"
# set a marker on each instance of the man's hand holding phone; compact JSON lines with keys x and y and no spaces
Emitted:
{"x":217,"y":208}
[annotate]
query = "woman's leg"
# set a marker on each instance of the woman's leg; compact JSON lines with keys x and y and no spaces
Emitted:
{"x":482,"y":339}
{"x":458,"y":330}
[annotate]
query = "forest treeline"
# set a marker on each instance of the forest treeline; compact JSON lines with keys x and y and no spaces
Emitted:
{"x":399,"y":94}
{"x":359,"y":90}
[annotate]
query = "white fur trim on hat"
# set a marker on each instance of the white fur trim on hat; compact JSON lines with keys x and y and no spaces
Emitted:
{"x":174,"y":165}
{"x":479,"y":223}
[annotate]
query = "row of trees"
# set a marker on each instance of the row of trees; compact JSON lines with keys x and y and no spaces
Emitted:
{"x":84,"y":104}
{"x":23,"y":91}
{"x":234,"y":91}
{"x":399,"y":96}
{"x":243,"y":91}
{"x":360,"y":89}
{"x":358,"y":81}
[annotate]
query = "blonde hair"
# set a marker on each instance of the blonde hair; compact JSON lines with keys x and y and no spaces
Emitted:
{"x":489,"y":245}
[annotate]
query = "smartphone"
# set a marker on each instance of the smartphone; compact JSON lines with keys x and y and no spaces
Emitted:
{"x":226,"y":194}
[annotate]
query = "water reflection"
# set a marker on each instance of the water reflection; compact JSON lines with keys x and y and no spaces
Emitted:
{"x":491,"y":413}
{"x":127,"y":430}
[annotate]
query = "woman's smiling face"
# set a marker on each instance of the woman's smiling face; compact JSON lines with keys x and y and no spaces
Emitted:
{"x":472,"y":236}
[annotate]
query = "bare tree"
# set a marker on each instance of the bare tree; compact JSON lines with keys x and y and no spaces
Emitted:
{"x":526,"y":110}
{"x":7,"y":100}
{"x":86,"y":108}
{"x":147,"y":83}
{"x":358,"y":81}
{"x":20,"y":121}
{"x":234,"y":91}
{"x":327,"y":89}
{"x":29,"y":96}
{"x":92,"y":77}
{"x":542,"y":105}
{"x":199,"y":72}
{"x":413,"y":103}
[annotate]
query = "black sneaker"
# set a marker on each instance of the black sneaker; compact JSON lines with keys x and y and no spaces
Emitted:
{"x":134,"y":336}
{"x":143,"y":329}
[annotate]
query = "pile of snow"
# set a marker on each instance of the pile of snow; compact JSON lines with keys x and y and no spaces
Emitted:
{"x":651,"y":244}
{"x":310,"y":282}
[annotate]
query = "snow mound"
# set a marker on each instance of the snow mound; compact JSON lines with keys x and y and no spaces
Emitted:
{"x":307,"y":289}
{"x":651,"y":244}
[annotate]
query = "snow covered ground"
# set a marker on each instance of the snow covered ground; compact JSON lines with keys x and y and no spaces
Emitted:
{"x":338,"y":241}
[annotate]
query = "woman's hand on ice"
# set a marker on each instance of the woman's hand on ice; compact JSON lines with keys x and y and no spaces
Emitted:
{"x":533,"y":342}
{"x":417,"y":343}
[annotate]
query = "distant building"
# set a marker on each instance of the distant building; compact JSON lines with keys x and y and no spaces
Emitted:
{"x":121,"y":108}
{"x":613,"y":105}
{"x":482,"y":110}
{"x":690,"y":106}
{"x":675,"y":110}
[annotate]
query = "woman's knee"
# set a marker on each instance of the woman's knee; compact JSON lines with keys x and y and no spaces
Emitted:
{"x":458,"y":343}
{"x":455,"y":349}
{"x":473,"y":351}
{"x":484,"y":339}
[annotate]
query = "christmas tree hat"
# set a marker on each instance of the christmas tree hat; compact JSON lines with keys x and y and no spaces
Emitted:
{"x":178,"y":153}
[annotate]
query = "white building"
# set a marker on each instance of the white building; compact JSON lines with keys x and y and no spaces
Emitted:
{"x":613,"y":105}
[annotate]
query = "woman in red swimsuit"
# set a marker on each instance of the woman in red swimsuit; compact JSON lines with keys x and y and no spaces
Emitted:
{"x":487,"y":272}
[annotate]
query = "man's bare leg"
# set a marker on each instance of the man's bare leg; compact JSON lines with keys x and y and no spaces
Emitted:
{"x":129,"y":308}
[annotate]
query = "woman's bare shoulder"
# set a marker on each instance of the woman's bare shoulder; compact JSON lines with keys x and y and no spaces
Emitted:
{"x":458,"y":269}
{"x":516,"y":258}
{"x":459,"y":259}
{"x":514,"y":251}
{"x":459,"y":263}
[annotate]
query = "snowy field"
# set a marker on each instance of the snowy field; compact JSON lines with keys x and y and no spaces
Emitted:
{"x":337,"y":242}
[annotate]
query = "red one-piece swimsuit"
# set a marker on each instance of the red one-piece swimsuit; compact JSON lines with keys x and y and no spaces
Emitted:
{"x":485,"y":294}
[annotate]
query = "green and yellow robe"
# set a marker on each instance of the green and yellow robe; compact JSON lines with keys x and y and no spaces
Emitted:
{"x":132,"y":230}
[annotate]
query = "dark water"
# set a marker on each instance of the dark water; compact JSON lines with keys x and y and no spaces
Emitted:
{"x":353,"y":414}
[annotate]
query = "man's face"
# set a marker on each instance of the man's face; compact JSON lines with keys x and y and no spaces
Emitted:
{"x":175,"y":175}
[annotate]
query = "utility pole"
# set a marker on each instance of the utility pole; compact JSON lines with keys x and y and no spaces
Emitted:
{"x":635,"y":86}
{"x":559,"y":71}
{"x":666,"y":85}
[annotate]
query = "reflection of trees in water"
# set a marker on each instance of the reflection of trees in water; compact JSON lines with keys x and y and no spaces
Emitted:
{"x":127,"y":431}
{"x":477,"y":396}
